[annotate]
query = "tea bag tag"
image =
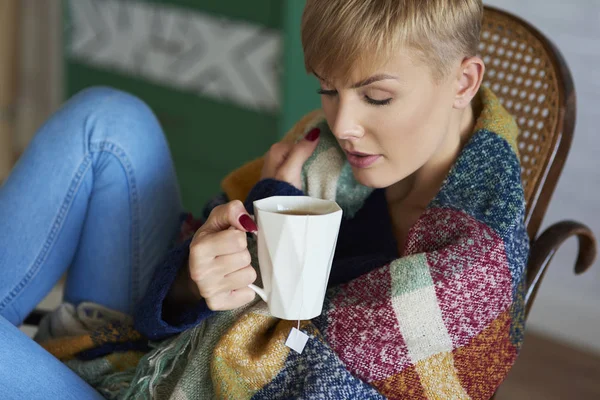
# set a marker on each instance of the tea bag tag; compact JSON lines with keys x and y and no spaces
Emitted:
{"x":296,"y":340}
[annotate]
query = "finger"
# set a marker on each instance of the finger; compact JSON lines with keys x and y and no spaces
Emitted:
{"x":292,"y":166}
{"x":242,"y":296}
{"x":218,"y":286}
{"x":238,"y":279}
{"x":230,"y":263}
{"x":279,"y":152}
{"x":274,"y":158}
{"x":231,"y":300}
{"x":217,"y":244}
{"x":227,"y":215}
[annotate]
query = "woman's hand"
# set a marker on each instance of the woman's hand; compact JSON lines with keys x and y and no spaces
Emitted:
{"x":219,"y":267}
{"x":284,"y":161}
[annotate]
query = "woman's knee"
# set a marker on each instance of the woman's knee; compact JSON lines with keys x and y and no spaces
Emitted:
{"x":117,"y":117}
{"x":109,"y":99}
{"x":112,"y":105}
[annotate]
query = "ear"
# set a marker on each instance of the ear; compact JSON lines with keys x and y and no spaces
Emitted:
{"x":470,"y":76}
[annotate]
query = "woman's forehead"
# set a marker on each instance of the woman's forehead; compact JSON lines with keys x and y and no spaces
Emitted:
{"x":369,"y":68}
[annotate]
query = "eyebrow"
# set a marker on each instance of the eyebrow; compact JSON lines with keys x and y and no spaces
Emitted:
{"x":366,"y":82}
{"x":373,"y":79}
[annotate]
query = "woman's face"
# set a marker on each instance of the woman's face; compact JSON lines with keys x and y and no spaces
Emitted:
{"x":391,"y":123}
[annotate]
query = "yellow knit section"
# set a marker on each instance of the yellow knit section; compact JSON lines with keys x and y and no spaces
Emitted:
{"x":438,"y":378}
{"x":66,"y":348}
{"x":495,"y":118}
{"x":250,"y":355}
{"x":238,"y":184}
{"x":123,"y":361}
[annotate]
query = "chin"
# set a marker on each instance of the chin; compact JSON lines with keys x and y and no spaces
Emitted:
{"x":371,"y":178}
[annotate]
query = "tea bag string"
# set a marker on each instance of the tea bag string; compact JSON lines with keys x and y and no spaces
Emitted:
{"x":301,"y":284}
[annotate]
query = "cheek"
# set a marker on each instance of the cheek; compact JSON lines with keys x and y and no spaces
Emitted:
{"x":412,"y":135}
{"x":402,"y":130}
{"x":329,"y":107}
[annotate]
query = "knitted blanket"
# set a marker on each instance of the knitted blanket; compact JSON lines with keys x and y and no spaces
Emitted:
{"x":444,"y":321}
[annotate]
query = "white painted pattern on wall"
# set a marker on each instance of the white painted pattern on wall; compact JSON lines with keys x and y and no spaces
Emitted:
{"x":231,"y":61}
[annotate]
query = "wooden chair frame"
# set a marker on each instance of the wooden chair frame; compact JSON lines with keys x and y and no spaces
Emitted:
{"x":540,"y":190}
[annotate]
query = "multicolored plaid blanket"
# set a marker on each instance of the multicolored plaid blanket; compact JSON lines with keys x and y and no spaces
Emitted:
{"x":444,"y":321}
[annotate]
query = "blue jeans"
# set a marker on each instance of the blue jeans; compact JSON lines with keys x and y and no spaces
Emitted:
{"x":94,"y":195}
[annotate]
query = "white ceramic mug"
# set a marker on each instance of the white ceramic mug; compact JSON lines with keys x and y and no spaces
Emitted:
{"x":295,"y":252}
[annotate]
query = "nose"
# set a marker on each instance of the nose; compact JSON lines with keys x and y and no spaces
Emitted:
{"x":346,"y":125}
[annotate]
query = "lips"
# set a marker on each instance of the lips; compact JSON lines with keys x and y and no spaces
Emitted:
{"x":361,"y":160}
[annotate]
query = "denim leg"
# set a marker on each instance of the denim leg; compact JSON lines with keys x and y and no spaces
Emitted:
{"x":95,"y":193}
{"x":27,"y":371}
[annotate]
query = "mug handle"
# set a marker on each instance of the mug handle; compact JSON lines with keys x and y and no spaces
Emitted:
{"x":260,"y":292}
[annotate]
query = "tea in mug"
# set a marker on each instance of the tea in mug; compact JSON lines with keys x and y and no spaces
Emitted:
{"x":298,"y":212}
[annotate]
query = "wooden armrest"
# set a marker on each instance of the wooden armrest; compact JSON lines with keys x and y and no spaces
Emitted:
{"x":546,"y":245}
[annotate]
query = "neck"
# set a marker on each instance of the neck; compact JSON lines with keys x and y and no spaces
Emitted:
{"x":418,"y":189}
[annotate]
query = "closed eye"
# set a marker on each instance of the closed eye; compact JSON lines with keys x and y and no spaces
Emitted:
{"x":325,"y":92}
{"x":374,"y":102}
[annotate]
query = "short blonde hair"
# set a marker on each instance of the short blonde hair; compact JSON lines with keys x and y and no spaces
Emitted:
{"x":340,"y":35}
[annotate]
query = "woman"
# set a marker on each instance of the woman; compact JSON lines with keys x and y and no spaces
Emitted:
{"x":426,"y":286}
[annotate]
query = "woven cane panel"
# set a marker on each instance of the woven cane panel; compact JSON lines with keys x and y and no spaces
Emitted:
{"x":519,"y":71}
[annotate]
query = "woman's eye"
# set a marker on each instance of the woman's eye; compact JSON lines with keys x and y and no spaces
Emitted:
{"x":369,"y":100}
{"x":326,"y":92}
{"x":374,"y":102}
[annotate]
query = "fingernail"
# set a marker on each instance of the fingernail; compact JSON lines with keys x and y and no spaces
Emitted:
{"x":247,"y":223}
{"x":313,"y":135}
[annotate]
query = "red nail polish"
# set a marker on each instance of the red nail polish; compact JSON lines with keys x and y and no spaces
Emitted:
{"x":247,"y":223}
{"x":313,"y":135}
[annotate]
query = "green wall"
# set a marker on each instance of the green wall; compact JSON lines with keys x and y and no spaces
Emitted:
{"x":299,"y":90}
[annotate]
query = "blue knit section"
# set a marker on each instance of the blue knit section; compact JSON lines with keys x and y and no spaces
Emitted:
{"x":517,"y":315}
{"x":516,"y":246}
{"x":317,"y":373}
